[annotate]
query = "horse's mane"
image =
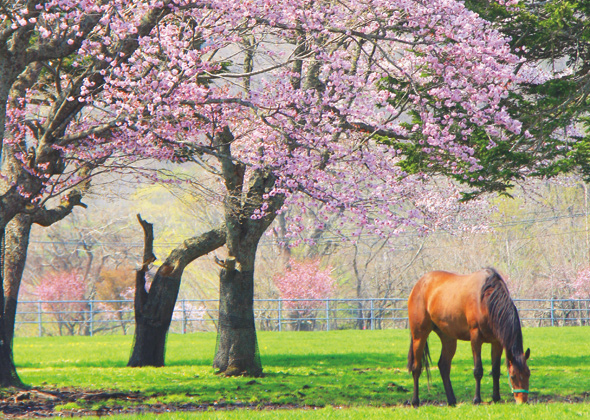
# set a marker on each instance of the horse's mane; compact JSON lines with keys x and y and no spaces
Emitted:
{"x":504,"y":319}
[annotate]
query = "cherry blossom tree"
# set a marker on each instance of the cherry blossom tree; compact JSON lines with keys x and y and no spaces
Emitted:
{"x":581,"y":285}
{"x":39,"y":99}
{"x":304,"y":280}
{"x":60,"y":291}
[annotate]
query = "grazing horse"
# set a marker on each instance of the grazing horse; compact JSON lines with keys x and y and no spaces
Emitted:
{"x":475,"y":307}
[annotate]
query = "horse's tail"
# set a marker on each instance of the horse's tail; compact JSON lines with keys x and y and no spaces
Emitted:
{"x":426,"y":360}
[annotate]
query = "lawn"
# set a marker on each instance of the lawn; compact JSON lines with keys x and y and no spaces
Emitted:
{"x":362,"y":371}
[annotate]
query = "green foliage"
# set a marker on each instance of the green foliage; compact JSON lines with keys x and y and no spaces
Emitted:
{"x":555,"y":33}
{"x":500,"y":165}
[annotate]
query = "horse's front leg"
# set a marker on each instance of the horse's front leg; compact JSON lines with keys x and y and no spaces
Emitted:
{"x":496,"y":363}
{"x":477,"y":366}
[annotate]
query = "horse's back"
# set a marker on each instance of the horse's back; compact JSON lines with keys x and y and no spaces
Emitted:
{"x":450,"y":301}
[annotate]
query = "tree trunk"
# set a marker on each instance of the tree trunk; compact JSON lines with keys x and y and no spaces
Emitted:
{"x":237,"y":346}
{"x":8,"y":375}
{"x":18,"y":232}
{"x":154,"y":309}
{"x":153,"y":314}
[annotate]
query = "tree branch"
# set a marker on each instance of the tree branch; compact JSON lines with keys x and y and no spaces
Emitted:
{"x":47,"y":217}
{"x":148,"y":250}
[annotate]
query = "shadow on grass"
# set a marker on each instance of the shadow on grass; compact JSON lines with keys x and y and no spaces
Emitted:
{"x":323,"y":361}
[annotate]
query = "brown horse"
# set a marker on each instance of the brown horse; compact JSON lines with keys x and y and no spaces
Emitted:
{"x":475,"y":307}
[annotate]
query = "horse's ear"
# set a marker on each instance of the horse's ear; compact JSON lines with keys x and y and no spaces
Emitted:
{"x":527,"y":354}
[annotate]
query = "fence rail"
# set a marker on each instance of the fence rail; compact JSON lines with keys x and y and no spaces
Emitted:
{"x":191,"y":315}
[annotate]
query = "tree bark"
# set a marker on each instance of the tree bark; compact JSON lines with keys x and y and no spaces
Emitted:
{"x":237,"y":346}
{"x":8,"y":375}
{"x":15,"y":255}
{"x":154,"y":309}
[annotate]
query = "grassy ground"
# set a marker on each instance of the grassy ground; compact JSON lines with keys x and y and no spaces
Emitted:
{"x":352,"y":369}
{"x":558,"y":411}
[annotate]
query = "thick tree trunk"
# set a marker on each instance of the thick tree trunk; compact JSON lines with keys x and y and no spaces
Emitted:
{"x":8,"y":375}
{"x":153,"y":315}
{"x":154,"y":309}
{"x":237,"y":347}
{"x":18,"y":232}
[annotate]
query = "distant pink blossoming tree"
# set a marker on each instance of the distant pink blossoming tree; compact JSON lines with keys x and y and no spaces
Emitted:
{"x":64,"y":294}
{"x":304,"y":280}
{"x":581,"y":285}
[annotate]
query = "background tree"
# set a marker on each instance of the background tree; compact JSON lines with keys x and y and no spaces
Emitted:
{"x":113,"y":288}
{"x":65,"y":294}
{"x":552,"y":100}
{"x":304,"y":280}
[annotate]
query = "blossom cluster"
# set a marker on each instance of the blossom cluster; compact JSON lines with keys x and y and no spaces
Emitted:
{"x":305,"y":280}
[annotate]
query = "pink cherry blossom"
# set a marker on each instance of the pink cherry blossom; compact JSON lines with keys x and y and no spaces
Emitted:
{"x":305,"y":280}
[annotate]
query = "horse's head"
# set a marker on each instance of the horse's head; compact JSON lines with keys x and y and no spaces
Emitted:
{"x":519,"y":374}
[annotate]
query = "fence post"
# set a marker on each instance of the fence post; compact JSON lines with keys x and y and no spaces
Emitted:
{"x":372,"y":315}
{"x":40,"y":319}
{"x":327,"y":315}
{"x":91,"y":318}
{"x":552,"y":311}
{"x":280,"y":315}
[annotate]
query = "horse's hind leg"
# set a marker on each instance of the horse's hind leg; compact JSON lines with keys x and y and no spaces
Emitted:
{"x":420,"y":327}
{"x":418,"y":344}
{"x":449,"y":346}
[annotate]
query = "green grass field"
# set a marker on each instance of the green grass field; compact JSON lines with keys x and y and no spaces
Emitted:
{"x":353,"y":374}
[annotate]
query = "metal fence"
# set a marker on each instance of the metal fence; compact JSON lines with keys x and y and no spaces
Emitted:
{"x":116,"y":316}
